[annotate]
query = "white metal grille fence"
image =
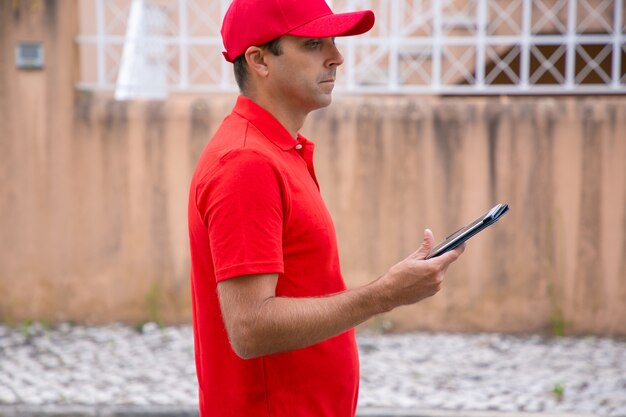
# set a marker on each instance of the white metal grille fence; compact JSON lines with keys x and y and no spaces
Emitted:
{"x":416,"y":46}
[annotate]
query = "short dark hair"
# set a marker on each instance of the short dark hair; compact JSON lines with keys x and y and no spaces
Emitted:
{"x":240,"y":66}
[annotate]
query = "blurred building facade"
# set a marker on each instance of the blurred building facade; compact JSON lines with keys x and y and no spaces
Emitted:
{"x":463,"y":47}
{"x":443,"y":110}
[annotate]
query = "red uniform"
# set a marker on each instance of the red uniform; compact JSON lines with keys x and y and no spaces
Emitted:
{"x":254,"y":208}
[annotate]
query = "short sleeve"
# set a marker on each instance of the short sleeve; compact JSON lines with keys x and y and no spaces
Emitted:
{"x":241,"y":205}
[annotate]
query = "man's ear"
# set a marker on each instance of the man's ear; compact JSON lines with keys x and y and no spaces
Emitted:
{"x":255,"y":57}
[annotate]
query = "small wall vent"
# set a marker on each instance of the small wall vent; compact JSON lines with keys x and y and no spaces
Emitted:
{"x":29,"y":55}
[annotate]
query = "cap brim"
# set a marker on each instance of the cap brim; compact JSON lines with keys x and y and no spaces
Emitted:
{"x":340,"y":24}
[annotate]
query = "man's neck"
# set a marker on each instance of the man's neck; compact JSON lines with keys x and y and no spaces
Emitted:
{"x":291,"y":119}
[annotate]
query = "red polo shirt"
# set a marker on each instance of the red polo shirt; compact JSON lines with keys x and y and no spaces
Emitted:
{"x":255,"y":207}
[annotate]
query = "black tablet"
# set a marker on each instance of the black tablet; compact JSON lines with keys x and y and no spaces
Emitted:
{"x":464,"y":233}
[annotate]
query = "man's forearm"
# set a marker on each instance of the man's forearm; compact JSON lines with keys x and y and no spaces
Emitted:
{"x":283,"y":324}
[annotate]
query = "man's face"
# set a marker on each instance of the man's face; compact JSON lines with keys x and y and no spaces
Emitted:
{"x":304,"y":74}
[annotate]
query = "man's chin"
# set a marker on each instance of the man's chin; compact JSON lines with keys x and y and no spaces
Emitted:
{"x":324,"y":101}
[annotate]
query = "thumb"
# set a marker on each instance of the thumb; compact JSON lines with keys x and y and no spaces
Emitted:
{"x":427,"y":245}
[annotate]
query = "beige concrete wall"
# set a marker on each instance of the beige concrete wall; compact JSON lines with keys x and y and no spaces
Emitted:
{"x":391,"y":167}
{"x":93,"y":196}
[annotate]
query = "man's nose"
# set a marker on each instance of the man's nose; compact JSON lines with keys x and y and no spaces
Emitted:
{"x":335,"y":58}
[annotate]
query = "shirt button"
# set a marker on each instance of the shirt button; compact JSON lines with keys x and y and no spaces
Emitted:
{"x":299,"y":146}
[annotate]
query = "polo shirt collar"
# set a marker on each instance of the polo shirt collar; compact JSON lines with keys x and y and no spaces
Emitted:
{"x":266,"y":123}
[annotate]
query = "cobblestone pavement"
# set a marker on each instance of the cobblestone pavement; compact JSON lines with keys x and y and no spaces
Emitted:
{"x":118,"y":365}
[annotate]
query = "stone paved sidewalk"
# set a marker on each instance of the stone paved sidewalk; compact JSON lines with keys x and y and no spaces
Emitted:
{"x":187,"y":411}
{"x":112,"y":370}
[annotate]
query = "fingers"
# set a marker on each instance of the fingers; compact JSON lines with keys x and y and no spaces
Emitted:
{"x":427,"y":244}
{"x":456,"y":252}
{"x":428,"y":236}
{"x":449,"y":257}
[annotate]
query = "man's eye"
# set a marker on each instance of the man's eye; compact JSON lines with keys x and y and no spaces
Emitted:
{"x":313,"y":44}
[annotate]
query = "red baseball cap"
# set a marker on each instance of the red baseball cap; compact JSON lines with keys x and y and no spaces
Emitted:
{"x":255,"y":22}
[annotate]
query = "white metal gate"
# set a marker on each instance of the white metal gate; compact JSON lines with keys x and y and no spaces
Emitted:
{"x":416,"y":47}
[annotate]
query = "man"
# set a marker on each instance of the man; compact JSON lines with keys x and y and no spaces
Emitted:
{"x":273,"y":320}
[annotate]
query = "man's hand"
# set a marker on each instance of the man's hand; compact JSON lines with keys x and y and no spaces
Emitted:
{"x":415,"y":278}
